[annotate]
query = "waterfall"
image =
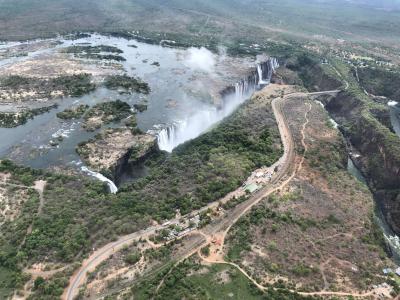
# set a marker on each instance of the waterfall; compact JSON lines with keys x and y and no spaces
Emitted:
{"x":265,"y":71}
{"x":111,"y":185}
{"x":181,"y":131}
{"x":260,"y":75}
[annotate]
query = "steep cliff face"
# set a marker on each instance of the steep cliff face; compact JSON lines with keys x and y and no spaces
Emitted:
{"x":317,"y":80}
{"x":113,"y":149}
{"x":382,"y":114}
{"x":344,"y":108}
{"x":367,"y":127}
{"x":379,"y":148}
{"x":377,"y":144}
{"x":379,"y":81}
{"x":380,"y":163}
{"x":312,"y":74}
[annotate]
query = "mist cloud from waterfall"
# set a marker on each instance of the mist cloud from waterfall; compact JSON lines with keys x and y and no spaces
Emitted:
{"x":200,"y":59}
{"x":194,"y":125}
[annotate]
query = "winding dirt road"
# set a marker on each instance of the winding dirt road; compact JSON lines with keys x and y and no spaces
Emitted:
{"x":217,"y":255}
{"x":286,"y":171}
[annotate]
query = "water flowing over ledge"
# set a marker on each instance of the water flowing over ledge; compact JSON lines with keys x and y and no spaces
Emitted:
{"x":181,"y":131}
{"x":111,"y":185}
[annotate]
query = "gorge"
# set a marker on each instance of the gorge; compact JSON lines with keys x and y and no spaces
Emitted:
{"x":183,"y":130}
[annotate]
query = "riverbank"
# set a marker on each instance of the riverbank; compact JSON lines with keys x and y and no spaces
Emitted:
{"x":49,"y":142}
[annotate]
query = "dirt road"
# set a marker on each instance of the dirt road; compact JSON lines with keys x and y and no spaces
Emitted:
{"x":101,"y":255}
{"x":286,"y":170}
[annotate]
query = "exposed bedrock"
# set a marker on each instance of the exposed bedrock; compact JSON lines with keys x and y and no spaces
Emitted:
{"x":111,"y":151}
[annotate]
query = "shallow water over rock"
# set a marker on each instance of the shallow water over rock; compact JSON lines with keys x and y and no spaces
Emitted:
{"x":48,"y":142}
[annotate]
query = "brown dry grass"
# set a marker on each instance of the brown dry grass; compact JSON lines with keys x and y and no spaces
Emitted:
{"x":337,"y":210}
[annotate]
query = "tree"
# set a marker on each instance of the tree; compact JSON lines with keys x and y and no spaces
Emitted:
{"x":38,"y":283}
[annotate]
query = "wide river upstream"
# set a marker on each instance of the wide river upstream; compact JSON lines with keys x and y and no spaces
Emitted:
{"x":185,"y":87}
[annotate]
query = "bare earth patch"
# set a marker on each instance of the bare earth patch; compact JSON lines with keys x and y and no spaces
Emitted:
{"x":318,"y":232}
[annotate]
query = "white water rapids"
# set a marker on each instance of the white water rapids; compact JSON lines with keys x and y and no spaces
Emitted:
{"x":194,"y":125}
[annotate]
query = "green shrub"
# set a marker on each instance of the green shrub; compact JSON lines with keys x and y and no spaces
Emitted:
{"x":127,"y":83}
{"x":133,"y":258}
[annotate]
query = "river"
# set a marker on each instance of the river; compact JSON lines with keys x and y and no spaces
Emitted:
{"x":177,"y":90}
{"x":391,"y":238}
{"x":184,"y":101}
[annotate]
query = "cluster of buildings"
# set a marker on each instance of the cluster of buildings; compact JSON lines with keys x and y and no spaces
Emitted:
{"x":182,"y":228}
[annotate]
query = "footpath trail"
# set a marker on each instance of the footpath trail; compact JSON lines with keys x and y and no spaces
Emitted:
{"x":39,"y":186}
{"x":285,"y":173}
{"x":288,"y":168}
{"x":217,"y":255}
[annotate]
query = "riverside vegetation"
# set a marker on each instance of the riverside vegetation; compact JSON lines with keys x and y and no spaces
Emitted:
{"x":105,"y":113}
{"x":73,"y":113}
{"x":69,"y":85}
{"x":96,"y":52}
{"x":196,"y":173}
{"x":14,"y":119}
{"x":128,"y":83}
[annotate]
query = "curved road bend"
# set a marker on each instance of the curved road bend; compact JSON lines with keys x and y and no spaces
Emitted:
{"x":285,"y":163}
{"x":287,"y":170}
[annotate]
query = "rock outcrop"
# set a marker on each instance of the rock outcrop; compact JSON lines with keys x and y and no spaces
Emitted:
{"x":379,"y":148}
{"x":111,"y":150}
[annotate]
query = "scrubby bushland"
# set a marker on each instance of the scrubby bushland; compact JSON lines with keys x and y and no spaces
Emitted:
{"x":70,"y":85}
{"x":380,"y":82}
{"x":79,"y":213}
{"x":127,"y":83}
{"x":73,"y":113}
{"x":11,"y":119}
{"x":293,"y":232}
{"x":187,"y":281}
